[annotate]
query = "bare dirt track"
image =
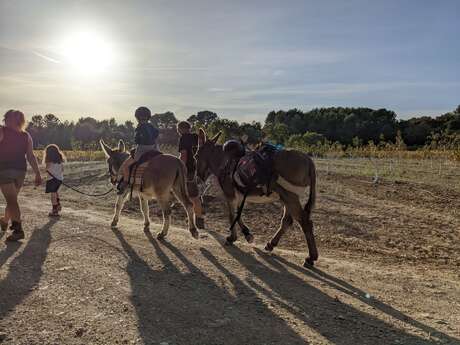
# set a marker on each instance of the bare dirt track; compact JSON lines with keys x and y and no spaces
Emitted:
{"x":388,"y":272}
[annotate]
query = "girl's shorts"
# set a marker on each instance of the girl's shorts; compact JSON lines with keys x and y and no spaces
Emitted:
{"x":52,"y":186}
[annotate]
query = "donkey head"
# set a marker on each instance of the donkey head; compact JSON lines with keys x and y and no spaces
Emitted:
{"x":115,"y":157}
{"x":208,"y":155}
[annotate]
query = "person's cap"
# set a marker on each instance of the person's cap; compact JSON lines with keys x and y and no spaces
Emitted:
{"x":143,"y":113}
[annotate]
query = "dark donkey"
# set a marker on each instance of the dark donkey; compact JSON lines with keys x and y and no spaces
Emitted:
{"x":294,"y":172}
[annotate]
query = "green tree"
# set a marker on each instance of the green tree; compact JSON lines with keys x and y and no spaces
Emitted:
{"x":203,"y":119}
{"x":164,"y":120}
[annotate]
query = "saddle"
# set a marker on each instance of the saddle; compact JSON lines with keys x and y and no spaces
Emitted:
{"x":254,"y":170}
{"x":136,"y":173}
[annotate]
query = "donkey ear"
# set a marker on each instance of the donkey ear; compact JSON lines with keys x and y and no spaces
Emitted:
{"x":121,"y":146}
{"x":201,"y":137}
{"x":244,"y":138}
{"x":216,"y":137}
{"x":107,"y":150}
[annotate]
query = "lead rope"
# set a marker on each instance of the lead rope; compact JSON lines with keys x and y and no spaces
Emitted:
{"x":240,"y":211}
{"x":78,"y":191}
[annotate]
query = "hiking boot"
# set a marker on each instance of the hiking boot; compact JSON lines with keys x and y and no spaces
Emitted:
{"x":17,"y":233}
{"x":199,"y":222}
{"x":3,"y":225}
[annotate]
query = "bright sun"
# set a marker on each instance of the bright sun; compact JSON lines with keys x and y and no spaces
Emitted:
{"x":87,"y":52}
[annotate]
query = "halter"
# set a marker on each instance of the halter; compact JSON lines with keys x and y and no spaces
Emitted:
{"x":113,"y":176}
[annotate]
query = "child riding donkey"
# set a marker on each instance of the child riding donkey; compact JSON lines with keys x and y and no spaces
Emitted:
{"x":145,"y":139}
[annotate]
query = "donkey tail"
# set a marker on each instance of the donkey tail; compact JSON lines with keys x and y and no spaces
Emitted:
{"x":312,"y":197}
{"x":180,"y":184}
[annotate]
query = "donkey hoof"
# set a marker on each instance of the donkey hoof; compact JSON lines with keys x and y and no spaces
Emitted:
{"x":147,"y":229}
{"x":249,"y":238}
{"x":269,"y":247}
{"x":113,"y":224}
{"x":161,"y":236}
{"x":229,"y":241}
{"x":309,"y":263}
{"x":194,"y":233}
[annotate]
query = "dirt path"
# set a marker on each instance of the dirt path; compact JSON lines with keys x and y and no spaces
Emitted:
{"x":77,"y":281}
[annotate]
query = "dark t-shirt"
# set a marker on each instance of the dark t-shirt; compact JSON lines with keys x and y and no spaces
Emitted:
{"x":13,"y":149}
{"x":146,"y":134}
{"x":189,"y":143}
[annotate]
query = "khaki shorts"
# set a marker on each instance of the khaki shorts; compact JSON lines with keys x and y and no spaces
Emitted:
{"x":12,"y":176}
{"x":192,"y":188}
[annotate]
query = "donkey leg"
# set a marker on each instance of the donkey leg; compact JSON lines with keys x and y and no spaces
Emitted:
{"x":187,"y":203}
{"x":165,"y":206}
{"x":144,"y":203}
{"x":231,"y":205}
{"x":286,"y":222}
{"x":246,"y":231}
{"x":307,"y":227}
{"x":118,"y":207}
{"x":166,"y":211}
{"x":295,"y":209}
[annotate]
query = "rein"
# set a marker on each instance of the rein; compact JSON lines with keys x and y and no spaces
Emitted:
{"x":80,"y":192}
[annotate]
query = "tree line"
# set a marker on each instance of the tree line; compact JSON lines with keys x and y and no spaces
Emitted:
{"x":293,"y":128}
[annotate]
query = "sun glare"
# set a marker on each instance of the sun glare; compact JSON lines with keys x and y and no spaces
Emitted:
{"x":87,"y":52}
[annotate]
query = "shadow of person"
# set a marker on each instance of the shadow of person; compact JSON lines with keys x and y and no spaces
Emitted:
{"x":347,"y":288}
{"x":185,"y":306}
{"x":338,"y":322}
{"x":10,"y":249}
{"x":25,"y":270}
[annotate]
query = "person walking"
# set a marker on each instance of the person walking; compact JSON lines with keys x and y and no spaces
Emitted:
{"x":16,"y":149}
{"x":53,"y":159}
{"x":188,"y":143}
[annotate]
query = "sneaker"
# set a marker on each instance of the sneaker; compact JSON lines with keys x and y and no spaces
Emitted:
{"x":53,"y":213}
{"x":16,"y":235}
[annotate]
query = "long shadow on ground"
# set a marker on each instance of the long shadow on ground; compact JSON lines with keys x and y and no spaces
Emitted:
{"x":280,"y":264}
{"x":338,"y":322}
{"x":25,"y":270}
{"x":188,"y":307}
{"x":9,"y":250}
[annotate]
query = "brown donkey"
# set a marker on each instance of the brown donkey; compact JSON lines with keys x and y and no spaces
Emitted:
{"x":163,"y":175}
{"x":294,"y":172}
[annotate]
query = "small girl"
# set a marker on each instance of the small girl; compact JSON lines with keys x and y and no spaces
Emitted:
{"x":53,"y":159}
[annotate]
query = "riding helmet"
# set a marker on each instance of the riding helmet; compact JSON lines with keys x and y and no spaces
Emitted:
{"x":143,"y":114}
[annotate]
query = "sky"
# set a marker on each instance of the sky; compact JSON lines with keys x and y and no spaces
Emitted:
{"x":239,"y":58}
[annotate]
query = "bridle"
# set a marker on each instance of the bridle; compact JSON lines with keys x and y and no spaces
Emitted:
{"x":113,"y":176}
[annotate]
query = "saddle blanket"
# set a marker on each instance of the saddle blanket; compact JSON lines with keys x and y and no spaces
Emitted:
{"x":136,"y":180}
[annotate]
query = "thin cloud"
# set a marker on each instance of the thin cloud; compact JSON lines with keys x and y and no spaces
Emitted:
{"x":220,"y":89}
{"x":170,"y":68}
{"x":45,"y":57}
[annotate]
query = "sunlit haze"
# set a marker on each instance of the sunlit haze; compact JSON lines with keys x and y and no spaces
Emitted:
{"x":87,"y":52}
{"x":240,"y":59}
